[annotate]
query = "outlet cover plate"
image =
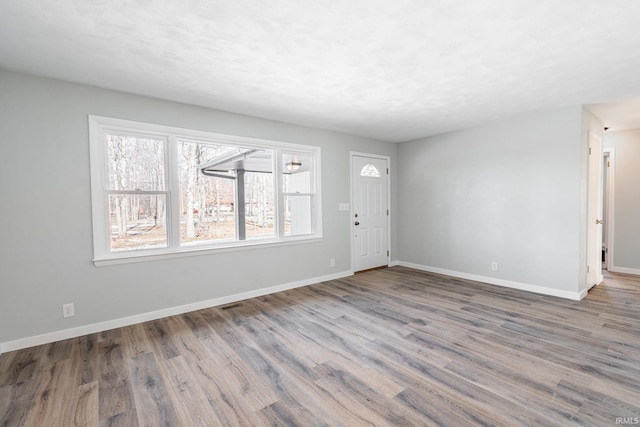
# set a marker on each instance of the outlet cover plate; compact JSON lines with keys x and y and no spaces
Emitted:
{"x":68,"y":310}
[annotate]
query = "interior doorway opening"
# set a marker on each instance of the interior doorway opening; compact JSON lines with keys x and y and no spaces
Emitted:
{"x":607,"y":207}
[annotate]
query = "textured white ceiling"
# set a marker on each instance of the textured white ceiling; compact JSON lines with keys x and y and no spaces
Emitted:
{"x":390,"y":70}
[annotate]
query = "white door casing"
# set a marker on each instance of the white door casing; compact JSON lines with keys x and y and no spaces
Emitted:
{"x":369,"y":214}
{"x":594,"y":211}
{"x":609,"y":209}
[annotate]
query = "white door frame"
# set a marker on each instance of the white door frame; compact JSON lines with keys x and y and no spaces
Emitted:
{"x":593,"y":268}
{"x":387,"y":159}
{"x":609,"y":204}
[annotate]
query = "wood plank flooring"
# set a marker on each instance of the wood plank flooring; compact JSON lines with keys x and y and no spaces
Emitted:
{"x":390,"y":347}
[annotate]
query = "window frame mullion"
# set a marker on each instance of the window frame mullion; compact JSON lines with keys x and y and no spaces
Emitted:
{"x":173,"y":178}
{"x":279,"y":195}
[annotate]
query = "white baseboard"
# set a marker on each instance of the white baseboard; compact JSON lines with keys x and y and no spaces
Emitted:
{"x":499,"y":282}
{"x":624,"y":270}
{"x":394,"y":263}
{"x":158,"y":314}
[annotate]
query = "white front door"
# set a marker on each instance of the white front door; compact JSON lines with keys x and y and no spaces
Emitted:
{"x":594,"y":212}
{"x":370,"y":215}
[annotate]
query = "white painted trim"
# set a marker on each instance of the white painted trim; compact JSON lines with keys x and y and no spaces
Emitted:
{"x":499,"y":282}
{"x":158,"y":314}
{"x":625,"y":270}
{"x":611,"y":176}
{"x":387,"y":160}
{"x":593,"y":265}
{"x":186,"y":251}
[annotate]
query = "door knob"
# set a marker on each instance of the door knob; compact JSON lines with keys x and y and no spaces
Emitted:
{"x":357,"y":223}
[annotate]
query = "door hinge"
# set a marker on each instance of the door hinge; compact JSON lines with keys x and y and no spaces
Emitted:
{"x":608,"y":164}
{"x":387,"y":212}
{"x":387,"y":171}
{"x":589,"y":150}
{"x":387,"y":253}
{"x":588,"y":268}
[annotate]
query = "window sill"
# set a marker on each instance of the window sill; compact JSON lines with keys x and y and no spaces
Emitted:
{"x":129,"y":258}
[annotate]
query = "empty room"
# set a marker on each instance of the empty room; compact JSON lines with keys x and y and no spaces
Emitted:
{"x":356,"y":213}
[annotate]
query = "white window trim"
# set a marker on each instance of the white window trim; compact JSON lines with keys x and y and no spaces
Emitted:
{"x":102,"y":256}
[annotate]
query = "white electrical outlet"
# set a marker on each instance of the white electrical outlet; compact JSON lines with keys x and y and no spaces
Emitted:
{"x":494,"y":266}
{"x":332,"y":262}
{"x":68,"y":310}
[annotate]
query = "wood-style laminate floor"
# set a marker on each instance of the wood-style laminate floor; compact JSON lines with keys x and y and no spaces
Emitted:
{"x":391,"y":347}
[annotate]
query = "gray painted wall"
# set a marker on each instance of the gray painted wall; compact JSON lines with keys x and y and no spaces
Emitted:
{"x":626,"y":193}
{"x":512,"y":192}
{"x":508,"y":192}
{"x":46,"y":239}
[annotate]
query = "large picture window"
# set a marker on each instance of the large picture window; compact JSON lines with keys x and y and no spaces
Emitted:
{"x":159,"y":191}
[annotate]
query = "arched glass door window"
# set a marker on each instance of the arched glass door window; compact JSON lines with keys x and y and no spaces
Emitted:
{"x":370,"y":171}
